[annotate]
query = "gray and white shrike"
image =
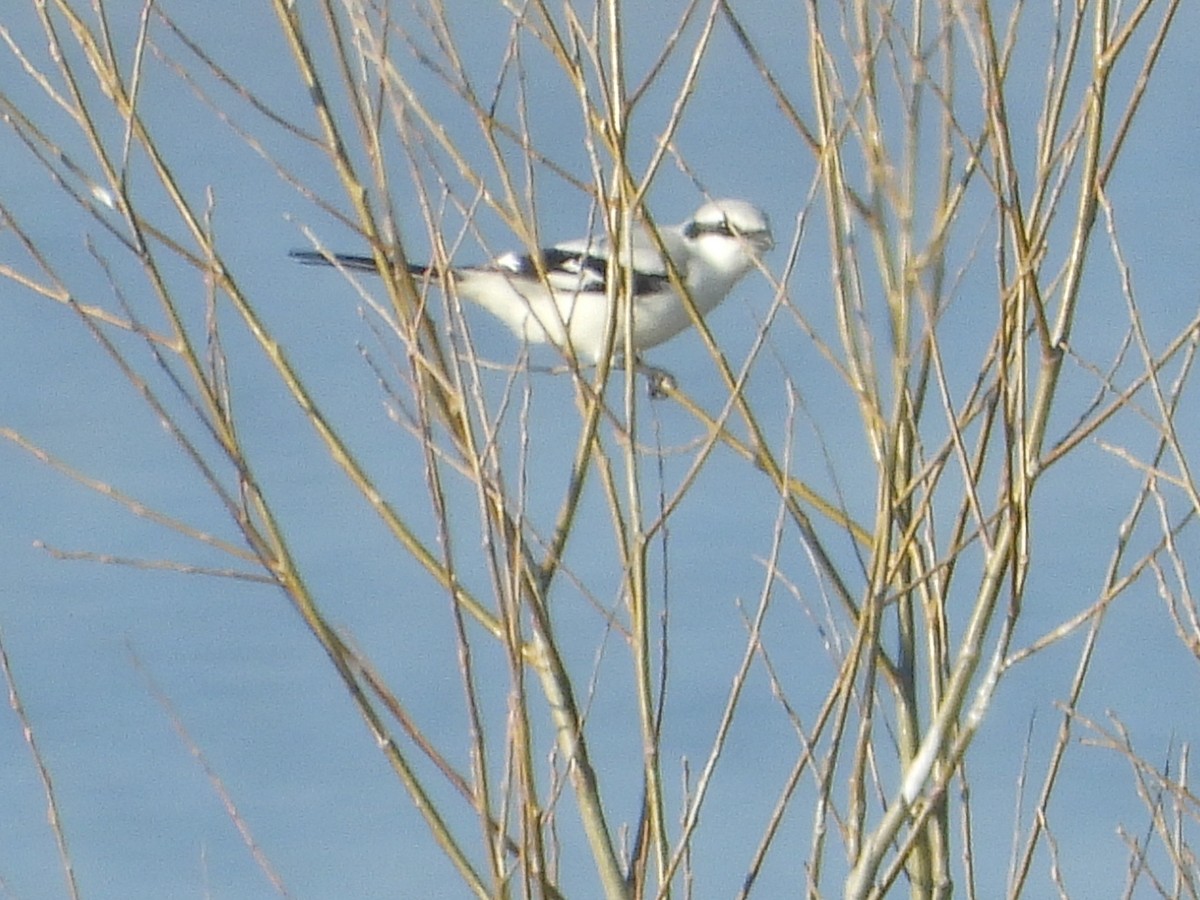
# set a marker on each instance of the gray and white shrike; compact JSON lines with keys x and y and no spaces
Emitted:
{"x":559,"y":297}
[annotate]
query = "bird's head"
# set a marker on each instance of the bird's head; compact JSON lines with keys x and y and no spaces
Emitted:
{"x":729,"y":235}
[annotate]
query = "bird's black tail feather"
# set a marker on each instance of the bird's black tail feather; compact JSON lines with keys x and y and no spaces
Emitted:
{"x":351,"y":261}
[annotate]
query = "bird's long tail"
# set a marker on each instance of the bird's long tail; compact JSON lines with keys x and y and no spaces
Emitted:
{"x":350,"y":261}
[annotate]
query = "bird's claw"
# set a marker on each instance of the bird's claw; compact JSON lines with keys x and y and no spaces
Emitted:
{"x":660,"y":383}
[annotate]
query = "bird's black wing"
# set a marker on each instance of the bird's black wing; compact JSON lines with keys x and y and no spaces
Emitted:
{"x":576,"y":270}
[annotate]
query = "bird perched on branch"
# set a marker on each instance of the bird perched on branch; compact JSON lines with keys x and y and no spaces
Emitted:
{"x":560,"y":295}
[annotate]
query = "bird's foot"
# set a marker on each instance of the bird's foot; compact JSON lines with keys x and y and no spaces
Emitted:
{"x":660,"y":383}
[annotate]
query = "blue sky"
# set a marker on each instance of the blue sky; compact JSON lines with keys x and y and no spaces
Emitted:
{"x":92,"y":646}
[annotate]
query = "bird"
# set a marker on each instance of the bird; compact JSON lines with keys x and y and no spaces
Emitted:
{"x":559,"y":295}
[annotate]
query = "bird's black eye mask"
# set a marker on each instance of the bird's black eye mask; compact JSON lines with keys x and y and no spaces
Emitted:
{"x":695,"y":229}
